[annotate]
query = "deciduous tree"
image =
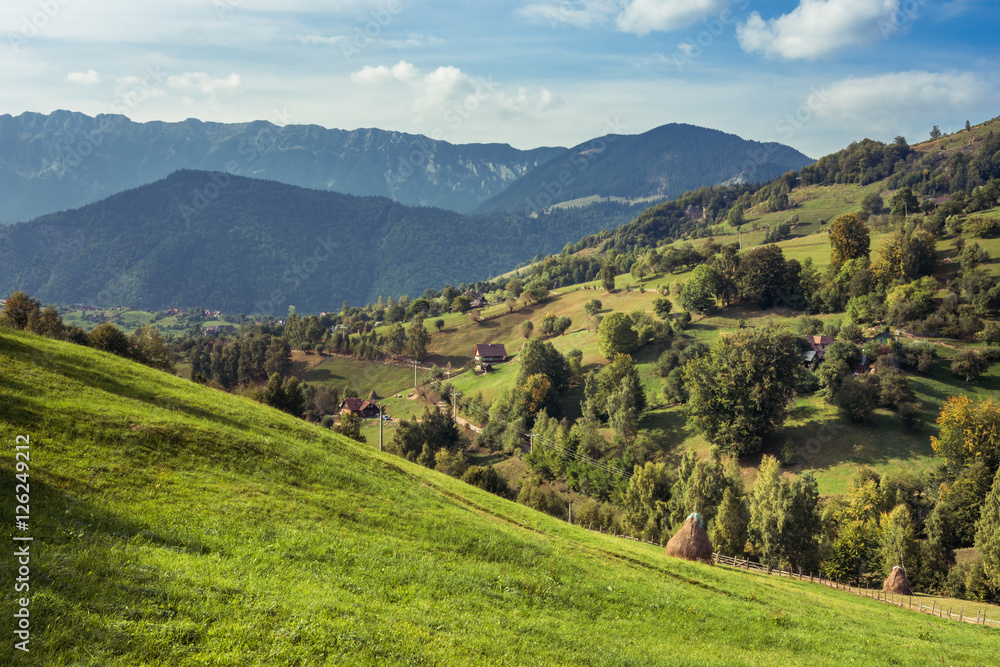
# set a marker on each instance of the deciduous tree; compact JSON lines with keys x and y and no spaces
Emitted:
{"x":740,"y":391}
{"x":849,"y":239}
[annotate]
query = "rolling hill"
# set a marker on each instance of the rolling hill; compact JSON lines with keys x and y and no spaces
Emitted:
{"x":175,"y":524}
{"x":664,"y":162}
{"x":64,"y":160}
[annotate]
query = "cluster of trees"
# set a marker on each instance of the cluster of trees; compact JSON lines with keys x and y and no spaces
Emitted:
{"x":145,"y":346}
{"x":761,"y":276}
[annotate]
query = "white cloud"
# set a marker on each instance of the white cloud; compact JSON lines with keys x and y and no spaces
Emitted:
{"x":450,"y":94}
{"x":88,"y":78}
{"x":200,"y":82}
{"x":401,"y":71}
{"x":817,"y":28}
{"x":880,"y":103}
{"x":644,"y":16}
{"x":586,"y":14}
{"x":321,"y":40}
{"x":636,"y":16}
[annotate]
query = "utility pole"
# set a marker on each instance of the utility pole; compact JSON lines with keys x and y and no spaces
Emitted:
{"x":414,"y":374}
{"x":531,"y":442}
{"x":571,"y":511}
{"x":454,"y":405}
{"x":380,"y":421}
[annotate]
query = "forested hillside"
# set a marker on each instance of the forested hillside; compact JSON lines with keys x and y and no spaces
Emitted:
{"x":246,"y":245}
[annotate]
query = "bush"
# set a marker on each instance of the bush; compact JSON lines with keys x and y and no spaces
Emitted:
{"x":982,"y":226}
{"x":487,"y":479}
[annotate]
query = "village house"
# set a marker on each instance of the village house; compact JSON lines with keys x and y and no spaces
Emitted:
{"x":360,"y":407}
{"x":818,"y":344}
{"x":487,"y":354}
{"x":476,"y":300}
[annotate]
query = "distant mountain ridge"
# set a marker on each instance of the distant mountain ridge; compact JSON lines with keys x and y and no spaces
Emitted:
{"x":240,"y":244}
{"x":65,"y":159}
{"x":666,"y":162}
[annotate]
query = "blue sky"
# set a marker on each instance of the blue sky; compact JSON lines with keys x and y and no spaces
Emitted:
{"x":815,"y":74}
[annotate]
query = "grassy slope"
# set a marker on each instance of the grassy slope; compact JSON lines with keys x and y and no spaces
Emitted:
{"x":179,"y":525}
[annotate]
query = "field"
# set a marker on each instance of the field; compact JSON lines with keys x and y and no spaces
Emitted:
{"x":175,"y":524}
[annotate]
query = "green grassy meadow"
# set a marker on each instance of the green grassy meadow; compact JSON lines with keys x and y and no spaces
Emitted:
{"x":175,"y":524}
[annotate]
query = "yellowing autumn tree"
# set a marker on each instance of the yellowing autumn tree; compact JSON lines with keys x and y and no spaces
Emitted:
{"x":849,"y":239}
{"x":970,"y":432}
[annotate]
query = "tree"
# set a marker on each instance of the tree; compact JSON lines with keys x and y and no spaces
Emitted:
{"x":935,"y":132}
{"x":698,"y":294}
{"x":968,"y":126}
{"x":527,"y":327}
{"x":644,"y":502}
{"x":988,"y":534}
{"x":662,"y":307}
{"x":763,"y":276}
{"x":417,"y":339}
{"x":616,"y":335}
{"x":149,"y":348}
{"x":903,"y":203}
{"x":439,"y":324}
{"x":767,"y":511}
{"x":109,"y":338}
{"x":856,"y":399}
{"x":740,"y":391}
{"x":350,"y":427}
{"x":872,"y":204}
{"x":608,"y":277}
{"x":623,"y":413}
{"x":539,"y":357}
{"x":969,"y":364}
{"x":19,"y":309}
{"x":849,"y":238}
{"x":729,"y":530}
{"x":896,"y":539}
{"x":969,"y":432}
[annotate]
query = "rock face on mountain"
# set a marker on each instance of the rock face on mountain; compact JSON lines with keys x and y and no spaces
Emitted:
{"x":64,"y":160}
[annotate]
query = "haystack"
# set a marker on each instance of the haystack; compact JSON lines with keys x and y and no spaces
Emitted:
{"x":691,"y":541}
{"x":372,"y":396}
{"x":897,"y":583}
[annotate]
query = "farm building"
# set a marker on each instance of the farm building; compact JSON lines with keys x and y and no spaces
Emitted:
{"x":490,"y":353}
{"x":360,"y":407}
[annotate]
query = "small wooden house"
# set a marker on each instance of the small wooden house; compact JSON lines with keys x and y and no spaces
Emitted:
{"x":489,"y":353}
{"x":360,"y":407}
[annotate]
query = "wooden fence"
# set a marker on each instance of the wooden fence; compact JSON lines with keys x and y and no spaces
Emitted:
{"x":901,"y":601}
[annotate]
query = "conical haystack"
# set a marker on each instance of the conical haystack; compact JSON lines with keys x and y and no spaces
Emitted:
{"x":691,"y":541}
{"x":897,"y":583}
{"x":373,"y":396}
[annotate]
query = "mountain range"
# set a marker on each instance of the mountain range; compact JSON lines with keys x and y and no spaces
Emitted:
{"x":65,"y":160}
